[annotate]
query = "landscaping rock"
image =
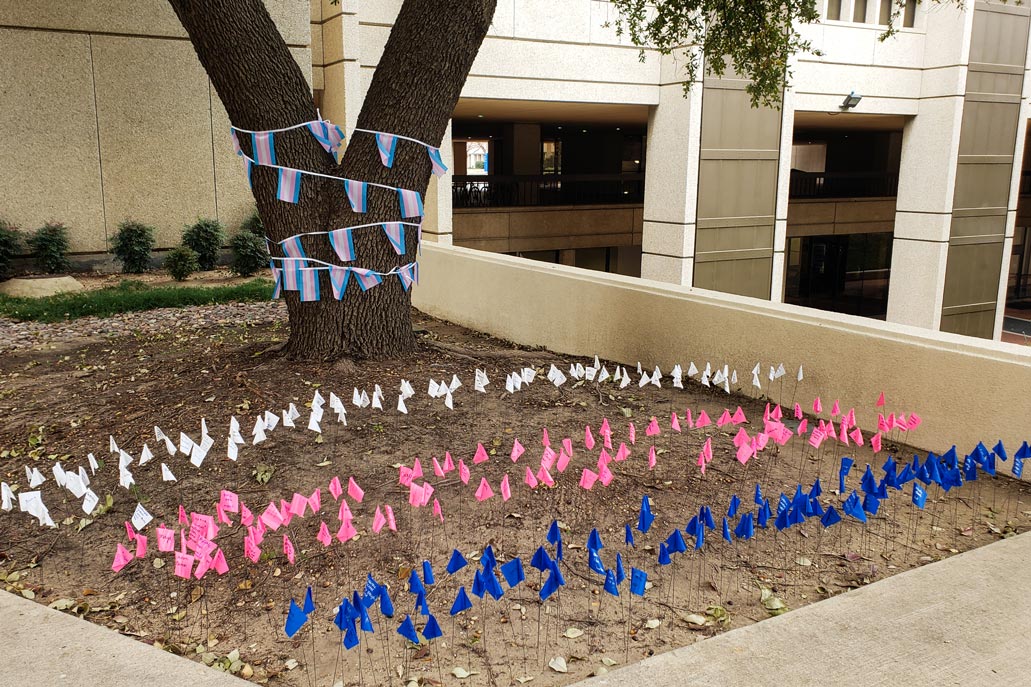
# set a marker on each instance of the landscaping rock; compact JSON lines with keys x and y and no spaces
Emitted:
{"x":39,"y":287}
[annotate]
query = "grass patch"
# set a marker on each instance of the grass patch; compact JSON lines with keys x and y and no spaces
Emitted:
{"x":129,"y":296}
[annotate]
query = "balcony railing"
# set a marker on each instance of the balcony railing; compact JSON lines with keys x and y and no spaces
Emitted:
{"x":843,"y":184}
{"x":490,"y":191}
{"x":1025,"y":182}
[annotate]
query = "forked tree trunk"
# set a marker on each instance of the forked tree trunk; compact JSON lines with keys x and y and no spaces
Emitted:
{"x":413,"y":93}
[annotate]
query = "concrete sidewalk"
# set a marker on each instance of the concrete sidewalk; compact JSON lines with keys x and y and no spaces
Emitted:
{"x":42,"y":647}
{"x":962,"y":621}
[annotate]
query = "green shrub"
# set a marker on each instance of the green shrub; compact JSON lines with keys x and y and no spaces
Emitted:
{"x":10,"y":241}
{"x":181,"y":262}
{"x":132,"y":245}
{"x":205,"y":238}
{"x":249,"y":253}
{"x":254,"y":225}
{"x":49,"y":245}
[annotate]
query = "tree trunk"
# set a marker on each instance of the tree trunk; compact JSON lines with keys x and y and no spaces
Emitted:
{"x":413,"y":93}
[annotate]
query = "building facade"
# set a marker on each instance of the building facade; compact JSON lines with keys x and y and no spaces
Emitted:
{"x":567,"y":147}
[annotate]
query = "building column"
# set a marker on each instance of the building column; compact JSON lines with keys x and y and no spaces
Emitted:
{"x":671,"y":179}
{"x":437,"y":224}
{"x":780,"y":226}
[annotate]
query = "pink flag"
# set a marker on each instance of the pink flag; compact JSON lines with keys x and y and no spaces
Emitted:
{"x":517,"y":450}
{"x":437,"y":510}
{"x":184,"y":565}
{"x":286,"y":512}
{"x":288,"y":549}
{"x":588,"y":439}
{"x":391,"y":523}
{"x":605,"y":430}
{"x":410,"y":201}
{"x":739,"y":415}
{"x":563,"y":461}
{"x":417,"y":469}
{"x":857,"y":436}
{"x":481,"y":455}
{"x":484,"y":491}
{"x":653,"y":428}
{"x":404,"y":475}
{"x":890,"y":421}
{"x":674,"y":421}
{"x":588,"y":478}
{"x":777,"y":413}
{"x":463,"y":472}
{"x":549,"y":458}
{"x":324,"y":536}
{"x":250,"y":550}
{"x":203,"y":564}
{"x":545,"y":439}
{"x":817,"y":406}
{"x":851,"y":417}
{"x":798,"y":412}
{"x":744,"y":452}
{"x":347,"y":530}
{"x":129,"y":531}
{"x":506,"y":490}
{"x":875,"y":442}
{"x":802,"y":426}
{"x":272,"y":517}
{"x":651,"y":458}
{"x":703,"y":420}
{"x":687,"y":419}
{"x":816,"y":438}
{"x":632,"y":433}
{"x":449,"y":464}
{"x":604,"y":458}
{"x":315,"y":500}
{"x":843,"y":434}
{"x":880,"y":400}
{"x":741,"y":438}
{"x":567,"y":446}
{"x":605,"y":475}
{"x":222,"y":517}
{"x":761,"y":439}
{"x":229,"y":501}
{"x":354,"y":491}
{"x":219,"y":564}
{"x":437,"y":469}
{"x":141,"y":546}
{"x":414,"y":495}
{"x":166,"y":538}
{"x":378,"y":521}
{"x":427,"y":493}
{"x":530,"y":480}
{"x":246,"y":517}
{"x":545,"y":476}
{"x":829,"y":428}
{"x":182,"y":516}
{"x":914,"y":421}
{"x":344,"y":512}
{"x":835,"y":409}
{"x":298,"y":504}
{"x":901,"y":422}
{"x":725,"y":418}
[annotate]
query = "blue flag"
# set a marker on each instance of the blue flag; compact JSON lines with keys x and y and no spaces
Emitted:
{"x":370,"y":593}
{"x":350,"y":638}
{"x":386,"y":606}
{"x":479,"y":587}
{"x":1000,"y":451}
{"x":950,"y":459}
{"x":594,"y":562}
{"x":493,"y":587}
{"x":675,"y":542}
{"x":629,"y":536}
{"x":831,"y":517}
{"x":559,"y":549}
{"x":726,"y":530}
{"x":1024,"y":451}
{"x":550,"y":586}
{"x":462,"y":602}
{"x":309,"y":603}
{"x":541,"y":560}
{"x":295,"y":619}
{"x":783,"y":503}
{"x":554,"y":535}
{"x":1018,"y":466}
{"x":815,"y":509}
{"x":645,"y":519}
{"x":513,"y":572}
{"x":782,"y":522}
{"x":699,"y":539}
{"x":610,"y":583}
{"x":415,"y":584}
{"x":758,"y":498}
{"x":705,"y":515}
{"x":735,"y":503}
{"x":366,"y":621}
{"x":969,"y":469}
{"x":557,"y":573}
{"x":457,"y":562}
{"x":764,"y":515}
{"x":432,"y":629}
{"x":745,"y":528}
{"x":407,"y":630}
{"x":638,"y":580}
{"x":343,"y":616}
{"x":846,"y":466}
{"x":427,"y":573}
{"x":663,"y":555}
{"x":421,"y":605}
{"x":919,"y":495}
{"x":868,"y":483}
{"x":816,"y":490}
{"x":620,"y":571}
{"x":692,"y":526}
{"x":488,"y":560}
{"x":594,"y":541}
{"x":871,"y":503}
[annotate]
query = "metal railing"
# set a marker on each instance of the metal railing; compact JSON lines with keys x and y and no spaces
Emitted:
{"x":843,"y":184}
{"x":489,"y":191}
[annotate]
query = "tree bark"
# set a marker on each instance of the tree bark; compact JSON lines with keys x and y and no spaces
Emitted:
{"x":413,"y":92}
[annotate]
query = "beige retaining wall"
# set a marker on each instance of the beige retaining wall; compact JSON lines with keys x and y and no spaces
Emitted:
{"x":966,"y":389}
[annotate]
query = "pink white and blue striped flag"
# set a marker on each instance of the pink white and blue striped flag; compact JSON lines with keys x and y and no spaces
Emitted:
{"x":291,"y":276}
{"x":236,"y":142}
{"x":248,"y":169}
{"x":408,"y":274}
{"x":277,"y":278}
{"x":366,"y":278}
{"x":292,"y":248}
{"x":309,"y":284}
{"x":411,"y":202}
{"x":263,"y":147}
{"x":357,"y":194}
{"x":343,"y":243}
{"x":439,"y":168}
{"x":387,"y":145}
{"x":338,"y":277}
{"x":395,"y":232}
{"x":289,"y":185}
{"x":327,"y":134}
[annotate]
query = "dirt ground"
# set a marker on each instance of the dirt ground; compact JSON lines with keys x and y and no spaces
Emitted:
{"x":80,"y":393}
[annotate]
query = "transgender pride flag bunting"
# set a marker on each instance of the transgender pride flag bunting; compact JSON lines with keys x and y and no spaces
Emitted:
{"x":327,"y":134}
{"x":292,"y":248}
{"x":439,"y":168}
{"x":395,"y":232}
{"x":248,"y":168}
{"x":366,"y":278}
{"x":387,"y":146}
{"x":277,"y":278}
{"x":411,"y":202}
{"x":291,"y":276}
{"x":289,"y":188}
{"x":357,"y":194}
{"x":338,"y":277}
{"x":343,"y":243}
{"x":236,"y":142}
{"x":263,"y":147}
{"x":309,"y":284}
{"x":408,"y":274}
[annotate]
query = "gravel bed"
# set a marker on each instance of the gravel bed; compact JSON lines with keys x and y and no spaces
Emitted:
{"x":16,"y":336}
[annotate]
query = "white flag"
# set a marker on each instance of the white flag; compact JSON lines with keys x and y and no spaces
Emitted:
{"x":141,"y":518}
{"x":166,"y":474}
{"x":481,"y":381}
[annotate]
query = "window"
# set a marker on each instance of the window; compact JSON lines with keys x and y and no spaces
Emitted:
{"x":909,"y":14}
{"x":840,"y":273}
{"x":551,"y":156}
{"x":885,"y":16}
{"x":834,"y":10}
{"x":859,"y":11}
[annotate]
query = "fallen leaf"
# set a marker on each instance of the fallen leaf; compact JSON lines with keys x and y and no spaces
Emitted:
{"x":62,"y":604}
{"x":803,"y":561}
{"x":290,"y":663}
{"x":461,"y":673}
{"x":695,"y":619}
{"x":28,"y":594}
{"x":524,"y":679}
{"x":600,"y":670}
{"x":608,"y":661}
{"x":158,"y":563}
{"x":558,"y":664}
{"x":573,"y":633}
{"x":652,"y":623}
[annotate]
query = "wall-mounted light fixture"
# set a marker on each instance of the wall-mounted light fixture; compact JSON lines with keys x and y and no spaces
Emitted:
{"x":850,"y":101}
